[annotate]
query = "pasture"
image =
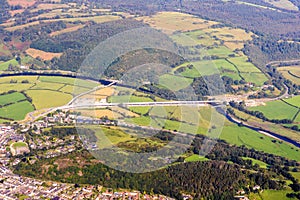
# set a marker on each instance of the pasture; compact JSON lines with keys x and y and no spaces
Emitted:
{"x":5,"y":65}
{"x":174,"y":83}
{"x":294,"y":101}
{"x":67,"y":30}
{"x":258,"y":162}
{"x":16,"y":111}
{"x":282,"y":111}
{"x":11,"y":98}
{"x":195,"y":158}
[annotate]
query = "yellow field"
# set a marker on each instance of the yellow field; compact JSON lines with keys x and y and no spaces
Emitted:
{"x":97,"y":19}
{"x":230,"y":34}
{"x":23,"y":3}
{"x":46,"y":6}
{"x":234,"y":45}
{"x":285,"y":4}
{"x":67,"y":30}
{"x":99,"y":113}
{"x":42,"y":54}
{"x":291,"y":73}
{"x":13,"y":28}
{"x":48,"y":99}
{"x":169,"y":22}
{"x":14,"y":12}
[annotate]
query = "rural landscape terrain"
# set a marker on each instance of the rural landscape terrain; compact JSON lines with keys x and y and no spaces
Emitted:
{"x":206,"y":107}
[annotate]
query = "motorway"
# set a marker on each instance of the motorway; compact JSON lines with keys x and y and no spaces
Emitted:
{"x":133,"y":104}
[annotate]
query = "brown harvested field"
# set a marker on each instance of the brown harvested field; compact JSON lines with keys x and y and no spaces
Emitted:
{"x":67,"y":30}
{"x":19,"y":45}
{"x":13,"y":28}
{"x":230,"y":34}
{"x":99,"y":113}
{"x":108,"y":91}
{"x":292,"y":73}
{"x":169,"y":22}
{"x":23,"y":3}
{"x":234,"y":45}
{"x":49,"y":6}
{"x":97,"y":19}
{"x":14,"y":12}
{"x":124,"y":112}
{"x":42,"y":54}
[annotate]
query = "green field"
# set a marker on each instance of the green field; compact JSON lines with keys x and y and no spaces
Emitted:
{"x":140,"y":110}
{"x":19,"y":144}
{"x":48,"y":99}
{"x":221,"y":51}
{"x":256,"y":78}
{"x":5,"y":65}
{"x":128,"y":98}
{"x":195,"y":158}
{"x":16,"y":111}
{"x":258,"y":162}
{"x":294,"y":101}
{"x":11,"y":98}
{"x":174,"y":83}
{"x":243,"y":65}
{"x":270,"y":195}
{"x":282,"y":111}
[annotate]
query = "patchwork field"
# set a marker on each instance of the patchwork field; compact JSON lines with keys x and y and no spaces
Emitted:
{"x":42,"y":91}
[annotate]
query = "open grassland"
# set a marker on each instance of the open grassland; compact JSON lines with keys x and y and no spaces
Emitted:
{"x":11,"y":98}
{"x":296,"y":175}
{"x":208,"y":67}
{"x":258,"y":162}
{"x":100,"y":113}
{"x":243,"y":136}
{"x":5,"y":65}
{"x":49,"y":6}
{"x":234,"y":45}
{"x":48,"y":99}
{"x":294,"y":101}
{"x":67,"y":30}
{"x":256,"y":78}
{"x":284,"y":4}
{"x":96,"y":19}
{"x":230,"y":34}
{"x":270,"y":194}
{"x":221,"y":52}
{"x":19,"y":145}
{"x":170,"y":22}
{"x":128,"y":98}
{"x":195,"y":158}
{"x":35,"y":53}
{"x":281,"y":111}
{"x":174,"y":83}
{"x":18,"y":27}
{"x":243,"y":65}
{"x":292,"y":73}
{"x":16,"y":111}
